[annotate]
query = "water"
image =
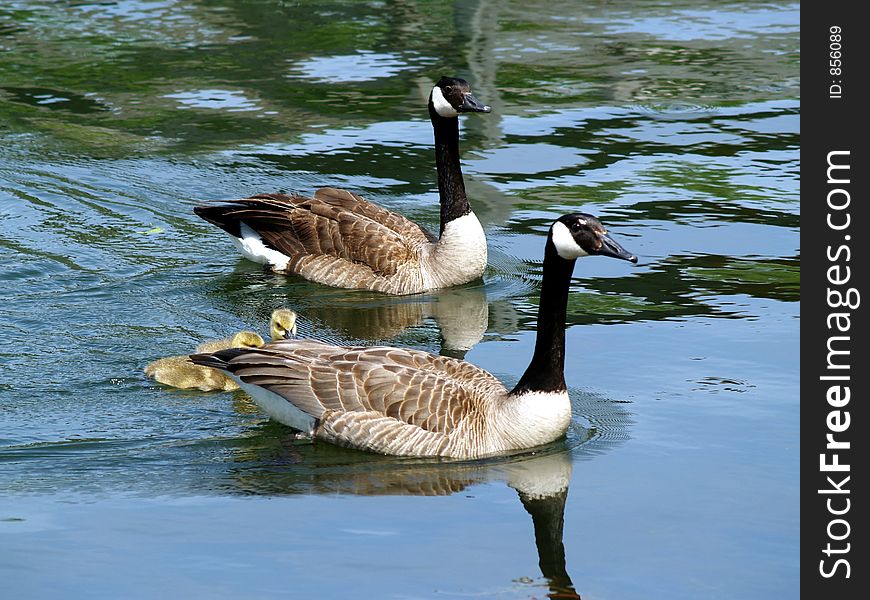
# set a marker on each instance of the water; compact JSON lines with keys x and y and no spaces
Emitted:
{"x":677,"y":123}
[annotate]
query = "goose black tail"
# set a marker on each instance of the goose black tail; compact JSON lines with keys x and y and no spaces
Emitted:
{"x":222,"y":216}
{"x":218,"y":360}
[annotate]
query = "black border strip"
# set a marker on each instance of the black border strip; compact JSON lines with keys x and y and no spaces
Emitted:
{"x":834,"y":331}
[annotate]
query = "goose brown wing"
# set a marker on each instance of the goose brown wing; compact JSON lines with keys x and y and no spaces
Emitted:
{"x":350,"y":202}
{"x":334,"y":223}
{"x":432,"y":392}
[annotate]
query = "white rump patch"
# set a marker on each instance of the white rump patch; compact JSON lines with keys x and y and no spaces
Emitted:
{"x":442,"y":106}
{"x":564,"y":242}
{"x":252,"y":247}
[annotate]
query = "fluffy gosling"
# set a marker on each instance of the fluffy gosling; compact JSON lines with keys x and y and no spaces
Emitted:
{"x":179,"y":372}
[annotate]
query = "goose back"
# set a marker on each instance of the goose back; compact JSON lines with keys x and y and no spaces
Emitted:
{"x":387,"y":400}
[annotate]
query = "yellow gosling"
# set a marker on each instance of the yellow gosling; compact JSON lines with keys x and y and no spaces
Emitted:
{"x":178,"y":371}
{"x":243,"y":339}
{"x":283,"y":324}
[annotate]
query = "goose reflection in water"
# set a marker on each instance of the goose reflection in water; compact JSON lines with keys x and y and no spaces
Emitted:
{"x":542,"y":485}
{"x":461,"y":314}
{"x":541,"y":481}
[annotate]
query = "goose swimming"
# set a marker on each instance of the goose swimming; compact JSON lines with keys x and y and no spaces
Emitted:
{"x":408,"y":402}
{"x":340,"y":239}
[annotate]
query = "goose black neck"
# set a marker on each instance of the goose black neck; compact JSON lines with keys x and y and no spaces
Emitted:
{"x":451,"y":187}
{"x":546,"y":372}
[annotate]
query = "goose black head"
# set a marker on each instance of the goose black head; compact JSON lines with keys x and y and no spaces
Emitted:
{"x":579,"y":234}
{"x":452,"y":96}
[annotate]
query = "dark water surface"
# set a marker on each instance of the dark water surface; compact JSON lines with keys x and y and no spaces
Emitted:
{"x":677,"y":123}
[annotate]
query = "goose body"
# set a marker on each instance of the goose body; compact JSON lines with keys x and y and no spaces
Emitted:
{"x":408,"y":402}
{"x":179,"y":372}
{"x":340,"y":239}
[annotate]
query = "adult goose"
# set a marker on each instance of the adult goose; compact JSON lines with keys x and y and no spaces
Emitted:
{"x":179,"y":372}
{"x":412,"y":403}
{"x":340,"y":239}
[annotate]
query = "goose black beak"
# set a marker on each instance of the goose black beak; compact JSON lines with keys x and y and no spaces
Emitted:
{"x":609,"y":247}
{"x":472,"y":104}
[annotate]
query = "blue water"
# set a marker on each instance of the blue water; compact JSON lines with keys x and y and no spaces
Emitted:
{"x":676,"y":123}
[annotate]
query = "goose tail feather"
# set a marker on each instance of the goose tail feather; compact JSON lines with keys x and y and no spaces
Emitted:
{"x":217,"y":360}
{"x":221,"y":216}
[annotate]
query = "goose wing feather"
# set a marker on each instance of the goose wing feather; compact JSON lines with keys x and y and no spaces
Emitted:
{"x":434,"y":393}
{"x":335,"y":223}
{"x":350,"y":202}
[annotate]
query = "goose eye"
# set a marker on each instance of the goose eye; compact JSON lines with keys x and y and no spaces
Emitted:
{"x":575,"y":226}
{"x":448,"y":88}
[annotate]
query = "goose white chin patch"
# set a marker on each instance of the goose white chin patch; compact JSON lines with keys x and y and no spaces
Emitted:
{"x":442,"y":106}
{"x":564,"y":242}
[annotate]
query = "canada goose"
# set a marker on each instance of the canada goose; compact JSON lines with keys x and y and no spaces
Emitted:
{"x":178,"y":371}
{"x":340,"y":239}
{"x":408,"y":402}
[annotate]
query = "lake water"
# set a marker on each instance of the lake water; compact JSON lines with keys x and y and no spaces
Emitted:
{"x":676,"y":122}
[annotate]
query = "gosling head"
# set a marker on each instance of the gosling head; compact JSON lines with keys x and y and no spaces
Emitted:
{"x":246,"y":339}
{"x":452,"y":96}
{"x":283,"y":324}
{"x":579,"y":234}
